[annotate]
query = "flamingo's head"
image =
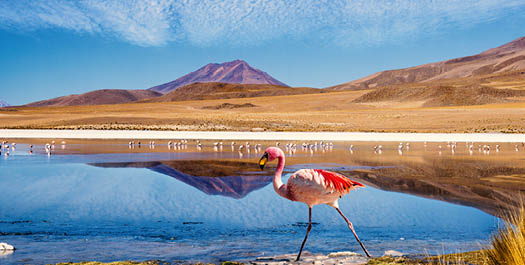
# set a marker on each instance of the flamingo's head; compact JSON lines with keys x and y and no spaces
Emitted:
{"x":270,"y":154}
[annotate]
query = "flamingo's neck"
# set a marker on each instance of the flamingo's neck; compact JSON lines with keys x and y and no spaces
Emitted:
{"x":278,"y":185}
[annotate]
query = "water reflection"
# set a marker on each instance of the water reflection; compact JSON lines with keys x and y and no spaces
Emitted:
{"x":493,"y":186}
{"x":488,"y":176}
{"x":157,"y":200}
{"x":52,"y":211}
{"x":211,"y":177}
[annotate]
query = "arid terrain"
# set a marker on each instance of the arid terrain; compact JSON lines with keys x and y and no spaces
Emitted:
{"x":500,"y":110}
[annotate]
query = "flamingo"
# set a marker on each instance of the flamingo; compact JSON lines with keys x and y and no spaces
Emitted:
{"x":312,"y":187}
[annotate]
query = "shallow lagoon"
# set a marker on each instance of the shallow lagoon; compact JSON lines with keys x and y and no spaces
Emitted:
{"x":108,"y":202}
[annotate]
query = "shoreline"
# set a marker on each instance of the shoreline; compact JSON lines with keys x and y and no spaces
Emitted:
{"x":265,"y":136}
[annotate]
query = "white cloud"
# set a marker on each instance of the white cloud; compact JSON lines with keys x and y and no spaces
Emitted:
{"x":145,"y":23}
{"x":250,"y":22}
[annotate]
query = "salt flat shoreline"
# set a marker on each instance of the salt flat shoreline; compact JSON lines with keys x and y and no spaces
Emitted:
{"x":269,"y":136}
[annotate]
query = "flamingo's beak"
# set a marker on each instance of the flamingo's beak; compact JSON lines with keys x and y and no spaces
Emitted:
{"x":263,"y":161}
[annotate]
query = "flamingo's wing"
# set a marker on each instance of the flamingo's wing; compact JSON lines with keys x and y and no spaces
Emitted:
{"x":337,"y":181}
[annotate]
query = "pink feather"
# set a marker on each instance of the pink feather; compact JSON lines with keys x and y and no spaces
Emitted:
{"x":337,"y":181}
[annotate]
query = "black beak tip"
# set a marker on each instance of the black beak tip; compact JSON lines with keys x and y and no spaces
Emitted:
{"x":262,"y":167}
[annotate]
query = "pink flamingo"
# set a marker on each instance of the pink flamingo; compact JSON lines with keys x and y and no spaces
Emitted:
{"x":311,"y":186}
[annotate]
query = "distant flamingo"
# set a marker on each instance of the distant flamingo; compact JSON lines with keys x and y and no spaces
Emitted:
{"x":311,"y":186}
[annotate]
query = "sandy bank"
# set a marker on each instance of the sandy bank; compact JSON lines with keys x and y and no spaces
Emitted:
{"x":283,"y":136}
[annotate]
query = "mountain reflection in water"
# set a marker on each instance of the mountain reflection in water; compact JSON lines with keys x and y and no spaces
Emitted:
{"x":493,"y":186}
{"x":226,"y":178}
{"x":491,"y":182}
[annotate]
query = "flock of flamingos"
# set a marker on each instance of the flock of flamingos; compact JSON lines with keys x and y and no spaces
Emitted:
{"x":291,"y":148}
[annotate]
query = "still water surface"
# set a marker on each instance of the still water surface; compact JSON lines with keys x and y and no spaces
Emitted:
{"x":206,"y":205}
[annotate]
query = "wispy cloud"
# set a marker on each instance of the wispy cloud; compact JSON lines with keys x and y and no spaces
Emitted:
{"x":251,"y":22}
{"x":145,"y":23}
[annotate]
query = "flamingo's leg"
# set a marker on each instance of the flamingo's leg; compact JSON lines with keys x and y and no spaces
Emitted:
{"x":307,"y":232}
{"x":353,"y":231}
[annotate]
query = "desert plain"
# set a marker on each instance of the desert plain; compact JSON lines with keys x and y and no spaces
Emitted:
{"x":332,"y":111}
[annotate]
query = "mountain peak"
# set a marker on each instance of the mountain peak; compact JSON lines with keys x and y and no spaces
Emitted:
{"x":3,"y":104}
{"x":238,"y":61}
{"x":236,"y":72}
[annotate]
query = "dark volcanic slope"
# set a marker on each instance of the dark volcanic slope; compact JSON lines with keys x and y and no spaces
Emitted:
{"x":98,"y":97}
{"x":506,"y":58}
{"x":237,"y":72}
{"x":200,"y":91}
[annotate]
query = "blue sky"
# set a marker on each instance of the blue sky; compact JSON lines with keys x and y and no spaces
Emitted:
{"x":54,"y":48}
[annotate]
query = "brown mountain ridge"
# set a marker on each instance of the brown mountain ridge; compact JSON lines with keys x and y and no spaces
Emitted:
{"x":97,"y":97}
{"x":506,"y":58}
